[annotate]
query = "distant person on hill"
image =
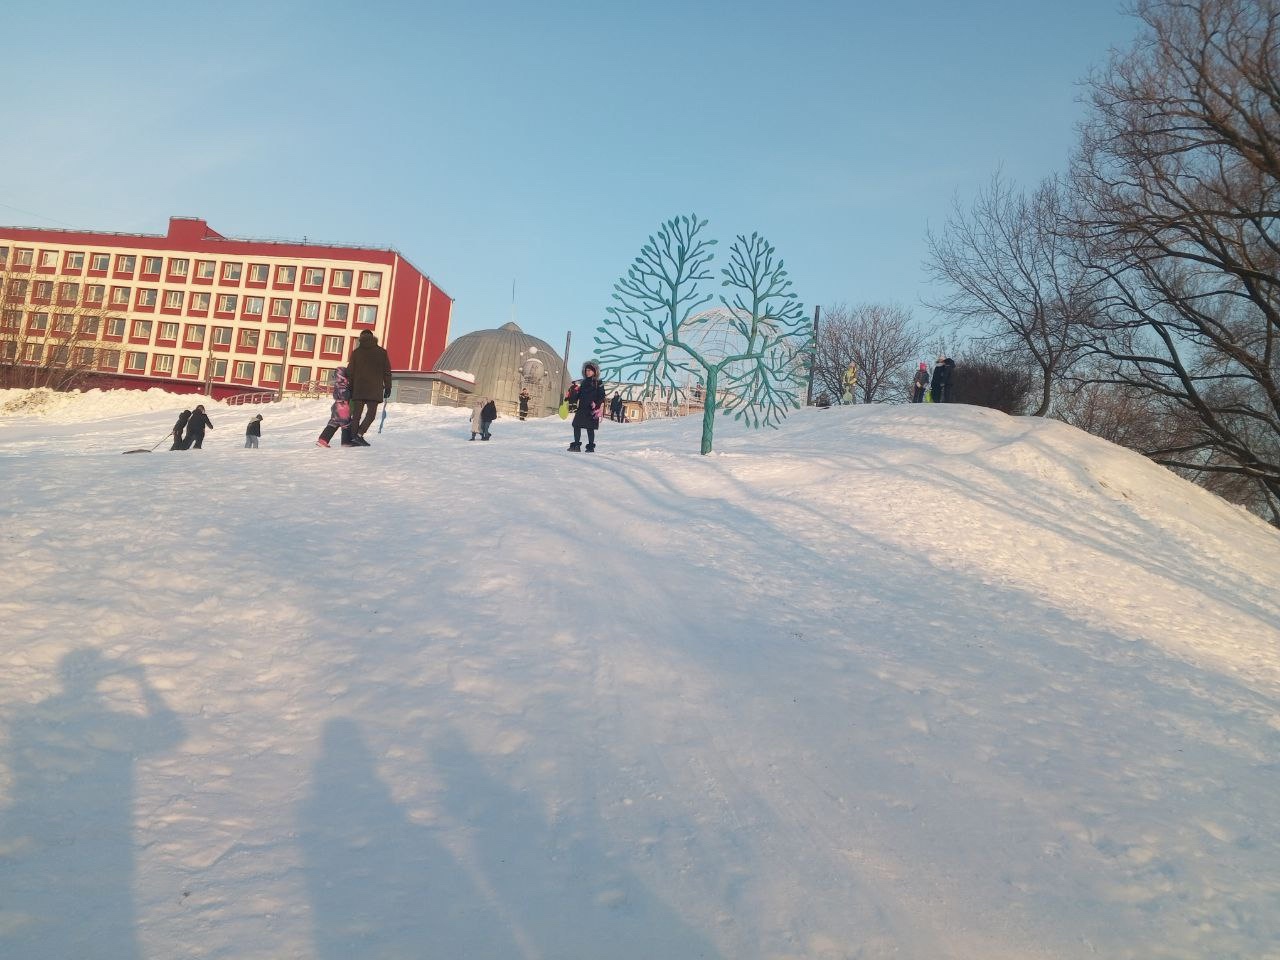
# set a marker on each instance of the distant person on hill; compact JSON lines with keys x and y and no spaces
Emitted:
{"x":588,"y":394}
{"x":253,"y":432}
{"x":939,"y":378}
{"x":178,"y":427}
{"x":488,"y":414}
{"x":196,"y":426}
{"x":950,"y":380}
{"x":920,"y":383}
{"x":524,"y":404}
{"x":370,"y":371}
{"x":615,"y":408}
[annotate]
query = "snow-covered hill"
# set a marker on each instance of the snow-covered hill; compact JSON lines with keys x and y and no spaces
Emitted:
{"x":923,"y":682}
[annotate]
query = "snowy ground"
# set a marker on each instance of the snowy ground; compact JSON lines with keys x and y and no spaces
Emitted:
{"x":923,"y":682}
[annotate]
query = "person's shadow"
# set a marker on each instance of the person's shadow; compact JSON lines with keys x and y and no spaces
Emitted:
{"x":66,"y":847}
{"x":380,"y":886}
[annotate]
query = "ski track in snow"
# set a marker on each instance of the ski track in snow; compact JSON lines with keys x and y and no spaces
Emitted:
{"x":915,"y":682}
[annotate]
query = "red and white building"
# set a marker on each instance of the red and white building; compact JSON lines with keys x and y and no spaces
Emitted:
{"x":194,"y":311}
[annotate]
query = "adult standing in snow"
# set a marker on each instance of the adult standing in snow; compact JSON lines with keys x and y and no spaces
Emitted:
{"x":477,"y":418}
{"x":196,"y":426}
{"x":950,"y":381}
{"x":938,"y":380}
{"x":488,"y":414}
{"x":370,"y":372}
{"x":588,"y":394}
{"x":178,"y":427}
{"x":524,"y":404}
{"x":615,"y":408}
{"x":253,"y":432}
{"x":920,"y":383}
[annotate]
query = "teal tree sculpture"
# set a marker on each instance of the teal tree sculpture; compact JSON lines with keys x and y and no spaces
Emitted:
{"x":748,"y":355}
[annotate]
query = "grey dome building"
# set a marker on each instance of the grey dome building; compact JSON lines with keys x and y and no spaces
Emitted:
{"x":503,"y":361}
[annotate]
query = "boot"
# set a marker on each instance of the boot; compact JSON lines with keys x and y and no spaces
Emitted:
{"x":576,"y":446}
{"x":591,"y":448}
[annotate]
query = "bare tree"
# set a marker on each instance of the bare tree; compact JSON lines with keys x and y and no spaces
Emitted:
{"x":878,"y":340}
{"x":1178,"y":187}
{"x":749,"y":355}
{"x":1012,"y":274}
{"x":50,"y":331}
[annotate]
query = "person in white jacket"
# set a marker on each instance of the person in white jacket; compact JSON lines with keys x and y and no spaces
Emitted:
{"x":477,"y":421}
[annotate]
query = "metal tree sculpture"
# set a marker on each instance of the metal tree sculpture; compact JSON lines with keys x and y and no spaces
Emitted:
{"x":657,"y":338}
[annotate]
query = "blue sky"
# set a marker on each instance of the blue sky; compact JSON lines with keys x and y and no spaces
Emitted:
{"x":541,"y":143}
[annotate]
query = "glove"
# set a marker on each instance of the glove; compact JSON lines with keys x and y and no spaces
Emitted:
{"x":386,"y":394}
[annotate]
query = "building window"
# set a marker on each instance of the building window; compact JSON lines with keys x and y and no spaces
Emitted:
{"x":286,"y":274}
{"x":258,"y":273}
{"x":190,"y":367}
{"x":222,"y":336}
{"x":244,"y":370}
{"x":367,"y":313}
{"x":75,"y":261}
{"x":179,"y":267}
{"x":135,"y":360}
{"x":141,"y":330}
{"x":280,"y":307}
{"x":4,"y":256}
{"x":48,"y":258}
{"x":271,"y":373}
{"x":85,"y":356}
{"x":173,"y":299}
{"x":195,"y":333}
{"x":341,"y":279}
{"x":227,"y":303}
{"x":34,"y":352}
{"x":304,"y":342}
{"x":94,"y":292}
{"x":69,"y":292}
{"x":115,"y":326}
{"x":205,"y":269}
{"x":109,"y":360}
{"x":218,"y":369}
{"x":249,"y":339}
{"x":61,"y":354}
{"x":168,"y":331}
{"x":253,"y":306}
{"x":338,"y":312}
{"x":199,"y":302}
{"x":146,"y":298}
{"x":333,"y":344}
{"x":231,"y":271}
{"x":43,"y":290}
{"x":11,"y":319}
{"x":39,"y":322}
{"x":100,"y":262}
{"x":120,"y":296}
{"x":22,"y":256}
{"x":275,"y":340}
{"x":299,"y":375}
{"x":163,"y":363}
{"x":89,"y":326}
{"x":17,"y":289}
{"x":63,"y":323}
{"x":152,"y":265}
{"x":313,"y":276}
{"x":125,"y":262}
{"x":309,"y":309}
{"x":370,"y":280}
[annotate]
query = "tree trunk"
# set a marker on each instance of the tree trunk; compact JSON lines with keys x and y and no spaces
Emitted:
{"x":709,"y":409}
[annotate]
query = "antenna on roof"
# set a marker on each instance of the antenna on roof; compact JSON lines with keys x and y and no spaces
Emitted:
{"x":513,"y":299}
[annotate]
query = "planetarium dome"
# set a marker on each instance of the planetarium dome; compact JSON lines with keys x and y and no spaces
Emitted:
{"x":504,"y":361}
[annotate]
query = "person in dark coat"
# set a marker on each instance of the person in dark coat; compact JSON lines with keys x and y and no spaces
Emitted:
{"x":950,"y":381}
{"x":588,"y":394}
{"x":615,"y":408}
{"x":920,"y":383}
{"x":938,"y":380}
{"x":488,"y":414}
{"x":524,"y":404}
{"x":253,"y":432}
{"x":178,"y":427}
{"x":370,"y":372}
{"x":196,"y":426}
